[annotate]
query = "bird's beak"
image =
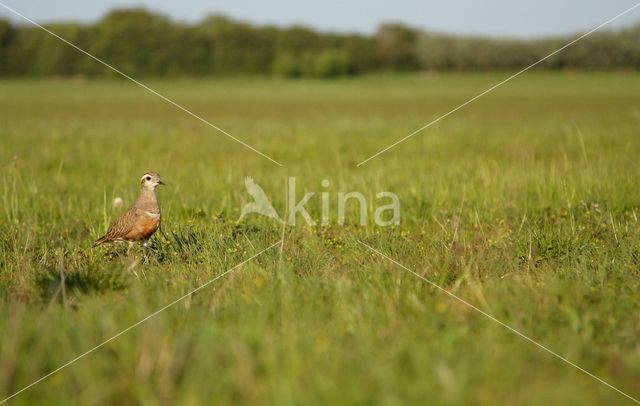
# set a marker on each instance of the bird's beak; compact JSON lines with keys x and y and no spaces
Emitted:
{"x":161,"y":183}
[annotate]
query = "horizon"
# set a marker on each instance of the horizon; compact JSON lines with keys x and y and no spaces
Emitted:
{"x":504,"y":20}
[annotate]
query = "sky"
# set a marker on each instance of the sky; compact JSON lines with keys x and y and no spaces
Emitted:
{"x":501,"y":18}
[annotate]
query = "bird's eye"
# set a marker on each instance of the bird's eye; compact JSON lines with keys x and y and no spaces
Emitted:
{"x":148,"y":178}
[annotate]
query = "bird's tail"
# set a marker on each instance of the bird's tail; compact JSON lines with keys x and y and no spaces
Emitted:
{"x":100,"y":241}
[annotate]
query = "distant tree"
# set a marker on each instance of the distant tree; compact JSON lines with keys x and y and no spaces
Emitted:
{"x":396,"y":45}
{"x":298,"y":40}
{"x":36,"y":53}
{"x":54,"y":57}
{"x":238,"y":47}
{"x":142,"y":43}
{"x":287,"y":65}
{"x":7,"y":33}
{"x":629,"y":41}
{"x":602,"y":51}
{"x":138,"y":42}
{"x":328,"y":63}
{"x":362,"y":53}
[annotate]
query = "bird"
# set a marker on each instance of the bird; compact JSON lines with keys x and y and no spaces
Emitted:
{"x":141,"y":220}
{"x":261,"y":204}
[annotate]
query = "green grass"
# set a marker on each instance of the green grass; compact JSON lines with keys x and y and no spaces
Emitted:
{"x":524,"y":203}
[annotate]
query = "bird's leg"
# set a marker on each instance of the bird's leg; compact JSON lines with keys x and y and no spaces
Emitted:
{"x":146,"y":249}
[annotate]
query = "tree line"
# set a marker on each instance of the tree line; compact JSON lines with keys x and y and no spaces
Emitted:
{"x":144,"y":43}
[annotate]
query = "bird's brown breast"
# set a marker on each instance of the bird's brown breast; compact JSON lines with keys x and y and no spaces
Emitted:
{"x":143,"y":228}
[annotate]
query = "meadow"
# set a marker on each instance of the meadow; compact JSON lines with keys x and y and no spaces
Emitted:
{"x":524,"y":203}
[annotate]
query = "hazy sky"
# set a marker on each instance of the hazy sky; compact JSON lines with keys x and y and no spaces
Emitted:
{"x":491,"y":17}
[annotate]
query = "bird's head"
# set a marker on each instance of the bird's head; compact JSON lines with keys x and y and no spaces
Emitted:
{"x":150,"y":181}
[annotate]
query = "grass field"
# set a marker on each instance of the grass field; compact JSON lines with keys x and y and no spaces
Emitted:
{"x":524,"y":203}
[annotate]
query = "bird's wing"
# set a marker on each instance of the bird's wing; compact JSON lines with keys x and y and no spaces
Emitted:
{"x":122,"y":226}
